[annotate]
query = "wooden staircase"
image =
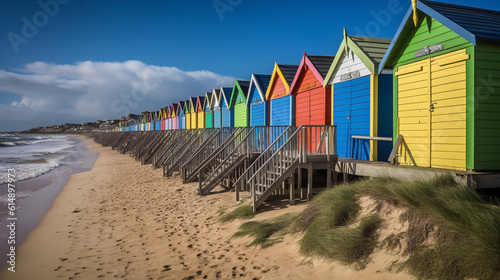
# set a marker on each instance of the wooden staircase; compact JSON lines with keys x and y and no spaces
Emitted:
{"x":174,"y":161}
{"x":234,"y":156}
{"x":277,"y":140}
{"x":160,"y":142}
{"x":305,"y":145}
{"x":192,"y":165}
{"x":183,"y":137}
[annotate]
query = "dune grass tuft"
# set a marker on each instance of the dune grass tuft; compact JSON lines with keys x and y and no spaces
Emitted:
{"x":328,"y":235}
{"x":241,"y":212}
{"x":467,"y":241}
{"x":454,"y":233}
{"x":267,"y":233}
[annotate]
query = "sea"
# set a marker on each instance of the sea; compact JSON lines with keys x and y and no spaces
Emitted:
{"x":31,"y":155}
{"x":41,"y":165}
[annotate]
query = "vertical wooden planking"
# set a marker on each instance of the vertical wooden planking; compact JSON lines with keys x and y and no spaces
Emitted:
{"x":280,"y":111}
{"x":201,"y":119}
{"x":373,"y":116}
{"x":341,"y":114}
{"x":217,"y":116}
{"x":240,"y":115}
{"x":448,"y":96}
{"x":209,"y":119}
{"x":385,"y":115}
{"x":257,"y":113}
{"x":486,"y":93}
{"x":413,"y":111}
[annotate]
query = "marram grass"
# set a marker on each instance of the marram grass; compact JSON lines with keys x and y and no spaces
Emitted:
{"x":244,"y":211}
{"x":465,"y":227}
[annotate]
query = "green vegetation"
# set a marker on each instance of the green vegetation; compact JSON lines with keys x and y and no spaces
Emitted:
{"x":244,"y":211}
{"x":453,"y":232}
{"x":266,"y":233}
{"x":330,"y":233}
{"x":467,"y":230}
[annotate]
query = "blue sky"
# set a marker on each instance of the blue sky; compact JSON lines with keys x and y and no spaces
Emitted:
{"x":71,"y":67}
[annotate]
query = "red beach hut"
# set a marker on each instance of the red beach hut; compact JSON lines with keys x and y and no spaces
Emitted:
{"x":312,"y":100}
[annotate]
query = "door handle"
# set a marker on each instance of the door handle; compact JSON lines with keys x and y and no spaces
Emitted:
{"x":348,"y":116}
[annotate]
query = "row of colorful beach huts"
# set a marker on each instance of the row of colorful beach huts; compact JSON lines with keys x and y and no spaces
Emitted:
{"x":437,"y":84}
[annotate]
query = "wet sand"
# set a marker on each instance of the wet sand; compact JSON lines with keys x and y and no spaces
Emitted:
{"x":35,"y":196}
{"x":124,"y":220}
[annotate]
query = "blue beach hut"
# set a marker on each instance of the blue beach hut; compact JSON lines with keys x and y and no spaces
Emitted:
{"x":217,"y":113}
{"x":256,"y":100}
{"x":227,"y":112}
{"x":281,"y":105}
{"x":362,"y":98}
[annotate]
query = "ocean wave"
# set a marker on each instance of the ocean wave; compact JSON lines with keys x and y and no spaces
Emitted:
{"x":20,"y":143}
{"x":31,"y":170}
{"x":7,"y":144}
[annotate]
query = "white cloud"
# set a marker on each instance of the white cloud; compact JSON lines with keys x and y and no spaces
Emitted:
{"x":87,"y":91}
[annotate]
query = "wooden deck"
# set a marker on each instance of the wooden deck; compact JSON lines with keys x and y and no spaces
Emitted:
{"x":479,"y":180}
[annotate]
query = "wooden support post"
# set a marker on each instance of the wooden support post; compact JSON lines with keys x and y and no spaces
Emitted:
{"x":292,"y":191}
{"x":237,"y":191}
{"x":299,"y":183}
{"x":345,"y":175}
{"x":329,"y":175}
{"x":283,"y":187}
{"x":309,"y":181}
{"x":335,"y":175}
{"x":199,"y":183}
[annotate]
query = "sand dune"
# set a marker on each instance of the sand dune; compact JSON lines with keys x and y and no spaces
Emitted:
{"x":124,"y":220}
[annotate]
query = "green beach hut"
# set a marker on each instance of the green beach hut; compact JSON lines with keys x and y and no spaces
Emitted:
{"x":446,"y":62}
{"x":209,"y":112}
{"x":238,"y":102}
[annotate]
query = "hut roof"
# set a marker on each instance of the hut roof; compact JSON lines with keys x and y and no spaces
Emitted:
{"x":226,"y":94}
{"x":261,"y":82}
{"x":319,"y":64}
{"x":469,"y":22}
{"x":240,"y":87}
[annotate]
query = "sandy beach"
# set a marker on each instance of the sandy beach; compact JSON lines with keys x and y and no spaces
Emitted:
{"x":125,"y":220}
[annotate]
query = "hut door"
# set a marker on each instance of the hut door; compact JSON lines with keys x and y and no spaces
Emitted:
{"x":303,"y":108}
{"x":240,"y":115}
{"x":351,"y":114}
{"x":413,"y":112}
{"x":448,"y":110}
{"x":431,"y":111}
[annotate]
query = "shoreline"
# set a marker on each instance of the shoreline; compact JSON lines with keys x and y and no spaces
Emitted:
{"x":42,"y":192}
{"x":125,"y":220}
